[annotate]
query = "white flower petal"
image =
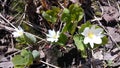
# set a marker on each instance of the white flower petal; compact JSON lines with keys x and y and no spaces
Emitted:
{"x":50,"y":39}
{"x":91,"y":44}
{"x":92,"y":35}
{"x":52,"y":36}
{"x":58,"y":32}
{"x":48,"y":35}
{"x":93,"y":27}
{"x":56,"y":40}
{"x":20,"y":29}
{"x":85,"y":32}
{"x":97,"y":40}
{"x":98,"y":31}
{"x":15,"y":34}
{"x":86,"y":40}
{"x":18,"y":32}
{"x":51,"y":32}
{"x":101,"y":35}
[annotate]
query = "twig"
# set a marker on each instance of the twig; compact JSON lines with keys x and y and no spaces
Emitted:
{"x":23,"y":15}
{"x":102,"y":9}
{"x":36,"y":27}
{"x":12,"y":43}
{"x":6,"y":27}
{"x":84,"y":17}
{"x":61,"y":5}
{"x":17,"y":52}
{"x":37,"y":37}
{"x":20,"y":19}
{"x":15,"y":16}
{"x":91,"y":60}
{"x":109,"y":2}
{"x":118,"y":7}
{"x":96,"y":19}
{"x":7,"y":21}
{"x":49,"y":64}
{"x":60,"y":27}
{"x":13,"y":8}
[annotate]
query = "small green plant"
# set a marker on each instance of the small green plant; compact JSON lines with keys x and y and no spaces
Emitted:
{"x":71,"y":17}
{"x":25,"y":58}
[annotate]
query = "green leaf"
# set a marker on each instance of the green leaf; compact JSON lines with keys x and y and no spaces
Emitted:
{"x":55,"y":9}
{"x":78,"y":42}
{"x":51,"y":15}
{"x":21,"y":39}
{"x":35,"y":54}
{"x":24,"y":52}
{"x":66,"y":11}
{"x":66,"y":15}
{"x":24,"y":59}
{"x":76,"y":12}
{"x":18,"y":60}
{"x":110,"y":62}
{"x":84,"y":54}
{"x":78,"y":39}
{"x":19,"y":66}
{"x":104,"y":40}
{"x":72,"y":27}
{"x":30,"y":38}
{"x":28,"y":58}
{"x":62,"y":39}
{"x":66,"y":27}
{"x":72,"y":16}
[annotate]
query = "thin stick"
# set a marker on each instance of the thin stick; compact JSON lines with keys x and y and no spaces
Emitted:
{"x":15,"y":16}
{"x":49,"y":64}
{"x":91,"y":57}
{"x":6,"y":27}
{"x":60,"y":26}
{"x":17,"y":52}
{"x":13,"y":8}
{"x":35,"y":27}
{"x":37,"y":37}
{"x":61,"y":5}
{"x":109,"y":2}
{"x":102,"y":9}
{"x":7,"y":21}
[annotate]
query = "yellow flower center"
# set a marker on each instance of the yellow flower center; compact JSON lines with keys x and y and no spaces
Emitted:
{"x":20,"y":33}
{"x":90,"y":34}
{"x":55,"y":36}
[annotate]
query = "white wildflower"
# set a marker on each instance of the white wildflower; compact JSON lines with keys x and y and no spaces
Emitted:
{"x":18,"y":32}
{"x":52,"y":36}
{"x":92,"y":35}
